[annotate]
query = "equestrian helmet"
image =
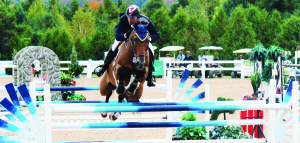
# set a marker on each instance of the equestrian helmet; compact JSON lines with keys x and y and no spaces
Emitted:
{"x":133,"y":11}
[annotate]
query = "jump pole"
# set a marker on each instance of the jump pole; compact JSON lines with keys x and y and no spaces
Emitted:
{"x":169,"y":108}
{"x":155,"y":124}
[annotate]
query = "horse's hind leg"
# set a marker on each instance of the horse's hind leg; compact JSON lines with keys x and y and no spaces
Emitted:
{"x":121,"y":73}
{"x":104,"y":115}
{"x":116,"y":115}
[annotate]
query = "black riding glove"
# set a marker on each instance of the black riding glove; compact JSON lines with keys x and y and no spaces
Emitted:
{"x":128,"y":33}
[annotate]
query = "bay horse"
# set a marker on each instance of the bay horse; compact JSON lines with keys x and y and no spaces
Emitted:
{"x":129,"y":70}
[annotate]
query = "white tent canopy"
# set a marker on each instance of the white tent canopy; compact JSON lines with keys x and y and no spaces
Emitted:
{"x":211,"y":48}
{"x":246,"y":50}
{"x":171,"y":48}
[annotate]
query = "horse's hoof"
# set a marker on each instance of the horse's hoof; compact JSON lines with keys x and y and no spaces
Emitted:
{"x":104,"y":115}
{"x":114,"y":116}
{"x":131,"y":88}
{"x":120,"y":90}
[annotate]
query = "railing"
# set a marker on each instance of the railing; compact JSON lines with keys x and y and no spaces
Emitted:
{"x":89,"y":66}
{"x":245,"y":70}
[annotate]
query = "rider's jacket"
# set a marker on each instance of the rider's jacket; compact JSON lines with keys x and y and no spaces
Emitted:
{"x":124,"y":26}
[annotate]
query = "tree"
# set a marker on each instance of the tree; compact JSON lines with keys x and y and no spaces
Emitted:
{"x":67,"y":13}
{"x":174,"y":8}
{"x":101,"y":42}
{"x":59,"y":41}
{"x":161,"y":20}
{"x":7,"y":26}
{"x":74,"y":6}
{"x":36,"y":10}
{"x":111,"y":9}
{"x":20,"y":15}
{"x":258,"y":20}
{"x":273,"y":33}
{"x":218,"y":26}
{"x":291,"y":32}
{"x":83,"y":24}
{"x":189,"y":26}
{"x":74,"y":68}
{"x":152,"y":5}
{"x":239,"y":34}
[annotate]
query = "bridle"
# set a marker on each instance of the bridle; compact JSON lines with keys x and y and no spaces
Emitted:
{"x":133,"y":51}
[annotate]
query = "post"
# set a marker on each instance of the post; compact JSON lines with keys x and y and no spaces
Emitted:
{"x":32,"y":92}
{"x":47,"y":114}
{"x":89,"y":69}
{"x":165,"y":69}
{"x":169,"y":99}
{"x":295,"y":110}
{"x":203,"y":69}
{"x":207,"y":111}
{"x":272,"y":125}
{"x":242,"y":69}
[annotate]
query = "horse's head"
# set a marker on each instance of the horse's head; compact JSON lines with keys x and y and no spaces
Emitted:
{"x":139,"y":40}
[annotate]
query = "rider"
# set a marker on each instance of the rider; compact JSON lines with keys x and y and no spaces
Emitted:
{"x":123,"y":31}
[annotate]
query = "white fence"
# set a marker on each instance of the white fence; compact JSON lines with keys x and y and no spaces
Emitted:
{"x":239,"y":66}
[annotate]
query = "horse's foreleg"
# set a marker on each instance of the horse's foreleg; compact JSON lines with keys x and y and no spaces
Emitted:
{"x":121,"y":73}
{"x":134,"y":84}
{"x":104,"y":115}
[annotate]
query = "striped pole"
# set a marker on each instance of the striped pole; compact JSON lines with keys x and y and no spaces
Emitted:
{"x":87,"y":88}
{"x":156,"y":104}
{"x":168,"y":108}
{"x":156,"y":124}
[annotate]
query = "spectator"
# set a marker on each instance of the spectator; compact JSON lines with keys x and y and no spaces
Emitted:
{"x":202,"y":59}
{"x":188,"y":57}
{"x":181,"y":58}
{"x":167,"y":59}
{"x":240,"y":57}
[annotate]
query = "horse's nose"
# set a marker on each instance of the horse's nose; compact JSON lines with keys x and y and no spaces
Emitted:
{"x":141,"y":63}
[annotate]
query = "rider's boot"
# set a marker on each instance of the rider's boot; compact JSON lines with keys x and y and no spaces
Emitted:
{"x":150,"y":79}
{"x":99,"y":70}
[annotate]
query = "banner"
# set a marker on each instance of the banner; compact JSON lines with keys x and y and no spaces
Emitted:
{"x":159,"y":68}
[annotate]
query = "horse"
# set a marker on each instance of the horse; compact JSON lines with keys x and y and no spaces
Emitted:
{"x":128,"y":72}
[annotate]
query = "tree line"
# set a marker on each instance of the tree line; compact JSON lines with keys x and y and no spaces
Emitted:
{"x":90,"y":27}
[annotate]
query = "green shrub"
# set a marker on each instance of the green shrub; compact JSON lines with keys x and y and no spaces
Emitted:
{"x":215,"y":113}
{"x":227,"y":132}
{"x":191,"y":133}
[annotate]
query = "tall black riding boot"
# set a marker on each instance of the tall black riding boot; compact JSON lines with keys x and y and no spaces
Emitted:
{"x":99,"y":70}
{"x":151,"y":69}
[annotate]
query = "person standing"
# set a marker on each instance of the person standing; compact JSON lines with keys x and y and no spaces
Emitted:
{"x":181,"y":58}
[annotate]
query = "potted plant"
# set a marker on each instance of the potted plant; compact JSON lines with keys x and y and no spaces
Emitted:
{"x":67,"y":80}
{"x":191,"y":133}
{"x":274,"y":52}
{"x":255,"y":81}
{"x":228,"y":132}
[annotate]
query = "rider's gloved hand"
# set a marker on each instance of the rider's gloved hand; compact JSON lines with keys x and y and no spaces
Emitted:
{"x":128,"y":33}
